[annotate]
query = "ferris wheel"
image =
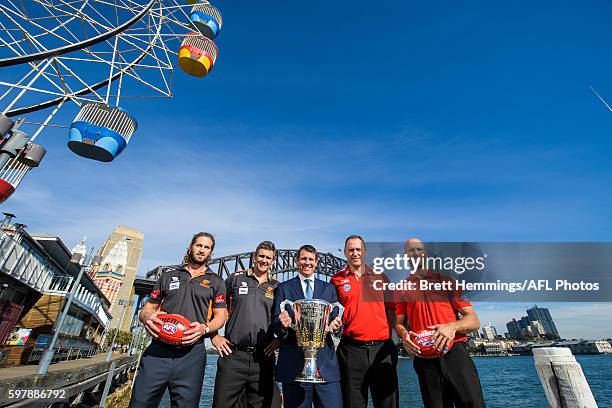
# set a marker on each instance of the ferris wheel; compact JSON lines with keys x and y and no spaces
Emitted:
{"x":94,"y":57}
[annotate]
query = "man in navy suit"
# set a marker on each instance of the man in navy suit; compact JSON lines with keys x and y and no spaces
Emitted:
{"x":291,"y":357}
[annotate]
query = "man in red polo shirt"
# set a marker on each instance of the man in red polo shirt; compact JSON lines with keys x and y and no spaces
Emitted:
{"x":367,"y":355}
{"x":452,"y":379}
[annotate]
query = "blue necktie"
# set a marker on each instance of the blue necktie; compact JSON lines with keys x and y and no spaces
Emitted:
{"x":308,"y":289}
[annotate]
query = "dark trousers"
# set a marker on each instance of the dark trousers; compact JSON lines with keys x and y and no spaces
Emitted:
{"x":251,"y":373}
{"x":180,"y":369}
{"x":372,"y":367}
{"x":450,"y":381}
{"x":304,"y":395}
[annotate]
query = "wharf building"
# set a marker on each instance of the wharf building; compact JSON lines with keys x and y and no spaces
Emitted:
{"x":36,"y":275}
{"x":577,"y":347}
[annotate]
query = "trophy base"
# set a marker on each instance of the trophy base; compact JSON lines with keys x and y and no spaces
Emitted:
{"x":310,"y":373}
{"x":307,"y":379}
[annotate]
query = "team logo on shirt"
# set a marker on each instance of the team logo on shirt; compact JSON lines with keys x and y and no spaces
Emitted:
{"x":346,"y":287}
{"x":243,"y":284}
{"x":270,"y":293}
{"x":155,"y":294}
{"x":220,"y":299}
{"x":174,"y":285}
{"x":175,"y":278}
{"x":205,"y":283}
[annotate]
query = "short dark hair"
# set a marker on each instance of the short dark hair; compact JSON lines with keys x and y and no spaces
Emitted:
{"x":307,"y":248}
{"x":354,"y":236}
{"x":268,"y":245}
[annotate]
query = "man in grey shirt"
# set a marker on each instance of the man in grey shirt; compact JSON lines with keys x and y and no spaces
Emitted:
{"x":246,"y":351}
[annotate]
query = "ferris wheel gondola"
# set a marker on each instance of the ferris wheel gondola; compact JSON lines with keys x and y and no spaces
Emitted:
{"x":207,"y":19}
{"x":100,"y":132}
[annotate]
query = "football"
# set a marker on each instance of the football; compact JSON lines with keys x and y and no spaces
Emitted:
{"x":425,"y":342}
{"x":172,"y":329}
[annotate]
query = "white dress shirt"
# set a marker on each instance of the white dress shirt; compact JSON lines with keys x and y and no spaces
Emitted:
{"x":303,"y":282}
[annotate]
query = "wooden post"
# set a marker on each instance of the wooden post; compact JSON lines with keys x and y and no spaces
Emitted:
{"x":562,"y":378}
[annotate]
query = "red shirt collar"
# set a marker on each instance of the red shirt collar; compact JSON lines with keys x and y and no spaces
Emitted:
{"x":347,"y":271}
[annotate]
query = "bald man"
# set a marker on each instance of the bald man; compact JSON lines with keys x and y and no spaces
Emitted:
{"x":451,"y":380}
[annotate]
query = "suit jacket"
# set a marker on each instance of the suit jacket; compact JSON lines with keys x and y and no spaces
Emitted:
{"x":291,"y":357}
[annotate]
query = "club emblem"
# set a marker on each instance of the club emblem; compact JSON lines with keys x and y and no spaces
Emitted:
{"x":270,"y":293}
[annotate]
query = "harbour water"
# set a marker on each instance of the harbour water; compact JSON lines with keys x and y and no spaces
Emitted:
{"x":507,"y":381}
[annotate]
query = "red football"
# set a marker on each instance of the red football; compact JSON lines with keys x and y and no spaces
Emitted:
{"x":172,"y":329}
{"x":425,"y":342}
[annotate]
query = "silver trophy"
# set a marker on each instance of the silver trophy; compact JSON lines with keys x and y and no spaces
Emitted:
{"x":311,"y":327}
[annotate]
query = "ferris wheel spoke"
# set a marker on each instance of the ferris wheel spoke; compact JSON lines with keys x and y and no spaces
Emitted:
{"x":66,"y":85}
{"x":35,"y":68}
{"x":78,"y":78}
{"x":161,"y":72}
{"x":61,"y":25}
{"x":77,"y":46}
{"x":32,"y":88}
{"x":11,"y":87}
{"x":11,"y":45}
{"x":47,"y":120}
{"x":52,"y":33}
{"x":151,"y":46}
{"x":79,"y":94}
{"x":20,"y":95}
{"x":13,"y":10}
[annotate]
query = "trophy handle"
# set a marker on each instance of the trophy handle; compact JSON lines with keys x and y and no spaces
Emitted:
{"x":340,"y":313}
{"x":340,"y":309}
{"x":282,"y":308}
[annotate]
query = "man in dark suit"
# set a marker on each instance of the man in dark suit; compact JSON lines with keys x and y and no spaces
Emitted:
{"x":291,"y":357}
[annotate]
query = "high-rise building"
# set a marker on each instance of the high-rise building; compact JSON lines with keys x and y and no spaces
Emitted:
{"x":543,"y":316}
{"x":537,"y":328}
{"x":115,"y":273}
{"x":514,"y":329}
{"x":524,"y":322}
{"x":489,"y":332}
{"x":474,"y":334}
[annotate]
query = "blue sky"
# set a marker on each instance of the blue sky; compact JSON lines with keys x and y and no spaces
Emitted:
{"x":445,"y":120}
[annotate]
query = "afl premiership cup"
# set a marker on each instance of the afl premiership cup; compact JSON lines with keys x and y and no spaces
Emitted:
{"x":311,"y":326}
